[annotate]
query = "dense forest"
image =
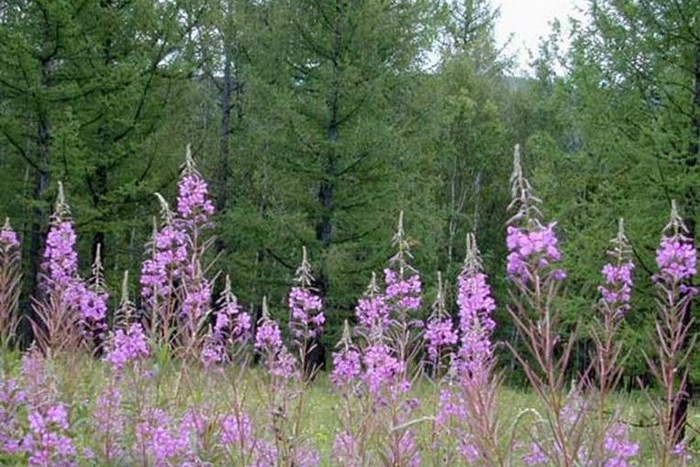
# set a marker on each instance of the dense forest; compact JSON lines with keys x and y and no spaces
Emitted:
{"x":316,"y":122}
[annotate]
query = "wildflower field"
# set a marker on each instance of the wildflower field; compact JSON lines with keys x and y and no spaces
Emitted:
{"x":182,"y":374}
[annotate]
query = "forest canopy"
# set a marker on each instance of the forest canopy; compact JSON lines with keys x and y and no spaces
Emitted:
{"x":318,"y":122}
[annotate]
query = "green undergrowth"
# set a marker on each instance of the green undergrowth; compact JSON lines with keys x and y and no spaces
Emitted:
{"x":175,"y":387}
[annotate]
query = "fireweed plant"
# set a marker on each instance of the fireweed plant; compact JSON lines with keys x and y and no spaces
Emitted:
{"x":176,"y":292}
{"x":226,"y":339}
{"x":535,"y":275}
{"x":467,"y":406}
{"x":374,"y":373}
{"x":289,"y":373}
{"x":609,"y":443}
{"x":676,"y":259}
{"x":440,"y":337}
{"x":149,"y":399}
{"x":306,"y":318}
{"x":282,"y":391}
{"x":72,"y":312}
{"x":160,"y":277}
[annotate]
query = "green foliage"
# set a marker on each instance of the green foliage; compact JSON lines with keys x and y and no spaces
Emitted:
{"x":317,"y":122}
{"x":617,"y":136}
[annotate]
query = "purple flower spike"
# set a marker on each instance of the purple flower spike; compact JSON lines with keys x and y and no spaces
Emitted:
{"x":381,"y":367}
{"x":268,"y":337}
{"x":532,"y":249}
{"x":406,"y":293}
{"x":372,"y":310}
{"x":8,"y":237}
{"x":440,"y":332}
{"x":60,"y":259}
{"x":231,"y":324}
{"x":193,"y":203}
{"x":616,"y":292}
{"x":47,"y":442}
{"x":403,"y":283}
{"x":12,"y":400}
{"x":306,"y":318}
{"x":536,"y":456}
{"x":60,"y":273}
{"x":167,"y":262}
{"x":618,"y":447}
{"x":346,"y":367}
{"x":676,"y":257}
{"x":126,"y":347}
{"x":532,"y":246}
{"x":197,"y":299}
{"x":475,"y":322}
{"x":347,"y":363}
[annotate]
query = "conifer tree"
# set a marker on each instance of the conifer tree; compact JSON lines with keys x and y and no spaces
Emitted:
{"x":349,"y":69}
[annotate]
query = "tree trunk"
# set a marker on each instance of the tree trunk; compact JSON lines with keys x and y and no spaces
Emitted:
{"x":98,"y":183}
{"x":41,"y":184}
{"x":39,"y":214}
{"x":222,"y":170}
{"x":99,"y":191}
{"x":324,"y":229}
{"x":231,"y":84}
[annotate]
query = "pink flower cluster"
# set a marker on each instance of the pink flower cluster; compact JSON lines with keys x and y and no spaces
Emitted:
{"x":126,"y":347}
{"x":381,"y":368}
{"x":231,"y":324}
{"x":344,"y":450}
{"x":236,"y":430}
{"x":156,"y":438}
{"x":406,"y":453}
{"x":236,"y":436}
{"x":532,"y":250}
{"x":283,"y":364}
{"x":405,"y":293}
{"x":617,"y":291}
{"x":676,"y":258}
{"x":34,"y":377}
{"x":60,"y":258}
{"x":167,"y":263}
{"x":347,"y":366}
{"x":439,"y":334}
{"x":93,"y":310}
{"x":232,"y":327}
{"x":475,"y":302}
{"x":197,"y":300}
{"x":212,"y":354}
{"x":268,"y":336}
{"x":372,"y":312}
{"x":475,"y":305}
{"x":8,"y":238}
{"x":12,"y":399}
{"x":451,"y":406}
{"x":61,"y":277}
{"x":306,"y":315}
{"x":269,"y":344}
{"x":47,"y":442}
{"x":536,"y":456}
{"x":176,"y":250}
{"x":193,"y":203}
{"x":618,"y":447}
{"x":109,"y":422}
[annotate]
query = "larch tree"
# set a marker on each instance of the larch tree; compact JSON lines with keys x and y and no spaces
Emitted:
{"x":351,"y":67}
